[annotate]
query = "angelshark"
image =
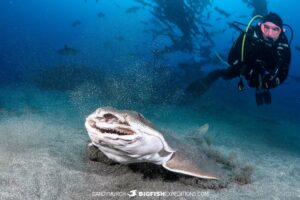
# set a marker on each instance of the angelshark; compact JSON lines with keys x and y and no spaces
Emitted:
{"x":128,"y":137}
{"x":67,"y":51}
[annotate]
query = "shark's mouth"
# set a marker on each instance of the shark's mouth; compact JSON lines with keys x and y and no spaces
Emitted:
{"x":111,"y":124}
{"x":118,"y":131}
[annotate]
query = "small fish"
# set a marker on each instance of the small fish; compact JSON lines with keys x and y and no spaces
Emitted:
{"x":146,"y":31}
{"x":120,"y":38}
{"x":260,"y":6}
{"x":295,"y":78}
{"x":117,"y":5}
{"x":133,"y":9}
{"x":155,"y":22}
{"x":66,"y":51}
{"x":143,"y":3}
{"x":206,"y":24}
{"x":100,"y":15}
{"x":144,"y":22}
{"x":207,"y":36}
{"x":222,"y":12}
{"x":107,"y":44}
{"x":96,"y":1}
{"x":242,"y":16}
{"x":208,"y":15}
{"x":76,"y":23}
{"x":235,"y":26}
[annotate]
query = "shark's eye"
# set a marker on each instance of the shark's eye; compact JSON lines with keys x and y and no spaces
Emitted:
{"x":101,"y":119}
{"x":110,"y":117}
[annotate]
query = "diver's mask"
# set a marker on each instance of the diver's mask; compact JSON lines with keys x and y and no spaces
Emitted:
{"x":270,"y":31}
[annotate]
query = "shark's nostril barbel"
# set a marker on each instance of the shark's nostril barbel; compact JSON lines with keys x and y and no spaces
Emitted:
{"x":92,"y":123}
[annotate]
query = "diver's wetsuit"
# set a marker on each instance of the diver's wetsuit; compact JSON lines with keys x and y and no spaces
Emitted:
{"x":265,"y":66}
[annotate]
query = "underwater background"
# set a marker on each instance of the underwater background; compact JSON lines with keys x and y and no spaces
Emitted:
{"x":62,"y":59}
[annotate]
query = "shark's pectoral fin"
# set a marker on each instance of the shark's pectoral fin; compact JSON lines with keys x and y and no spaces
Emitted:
{"x":181,"y":165}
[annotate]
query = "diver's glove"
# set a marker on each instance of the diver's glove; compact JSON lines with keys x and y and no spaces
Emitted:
{"x":241,"y":85}
{"x":270,"y":81}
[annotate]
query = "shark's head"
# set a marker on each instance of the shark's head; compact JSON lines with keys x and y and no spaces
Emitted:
{"x":110,"y":126}
{"x":126,"y":136}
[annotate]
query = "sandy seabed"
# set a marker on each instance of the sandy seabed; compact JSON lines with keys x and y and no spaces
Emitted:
{"x":43,"y":154}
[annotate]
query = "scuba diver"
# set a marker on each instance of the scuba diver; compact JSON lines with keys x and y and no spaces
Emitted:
{"x":261,"y":55}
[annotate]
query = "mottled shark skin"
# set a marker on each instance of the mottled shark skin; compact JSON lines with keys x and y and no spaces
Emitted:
{"x":127,"y":137}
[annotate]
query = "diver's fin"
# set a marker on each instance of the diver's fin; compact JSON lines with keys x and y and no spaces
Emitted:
{"x":181,"y":165}
{"x":200,"y":86}
{"x":267,"y":97}
{"x":259,"y":98}
{"x":196,"y":88}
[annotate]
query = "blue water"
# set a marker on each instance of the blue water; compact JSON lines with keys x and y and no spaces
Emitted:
{"x":118,"y":60}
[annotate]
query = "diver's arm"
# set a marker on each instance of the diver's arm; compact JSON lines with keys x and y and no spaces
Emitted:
{"x":235,"y":54}
{"x":280,"y":72}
